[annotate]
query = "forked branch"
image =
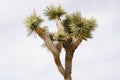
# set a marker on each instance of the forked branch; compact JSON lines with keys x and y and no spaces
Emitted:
{"x":45,"y":36}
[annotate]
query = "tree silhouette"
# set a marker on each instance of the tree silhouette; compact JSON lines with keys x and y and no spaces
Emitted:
{"x":72,"y":30}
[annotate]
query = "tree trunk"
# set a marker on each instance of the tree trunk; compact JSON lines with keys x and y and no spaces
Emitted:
{"x":68,"y":64}
{"x":68,"y":78}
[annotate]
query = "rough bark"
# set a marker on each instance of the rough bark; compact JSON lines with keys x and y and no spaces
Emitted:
{"x":69,"y":46}
{"x":76,"y":43}
{"x":59,"y":25}
{"x":59,"y":64}
{"x":45,"y":36}
{"x":68,"y":63}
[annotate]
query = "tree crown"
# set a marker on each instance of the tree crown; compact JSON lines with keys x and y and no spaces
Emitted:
{"x":74,"y":24}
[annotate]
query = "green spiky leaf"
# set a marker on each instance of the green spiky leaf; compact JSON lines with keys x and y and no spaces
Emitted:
{"x":78,"y":25}
{"x":32,"y":22}
{"x":52,"y":12}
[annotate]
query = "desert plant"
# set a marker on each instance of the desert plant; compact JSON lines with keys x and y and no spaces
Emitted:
{"x":72,"y":30}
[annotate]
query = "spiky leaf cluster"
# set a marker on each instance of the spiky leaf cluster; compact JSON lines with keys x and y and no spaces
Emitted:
{"x":52,"y":12}
{"x":60,"y":37}
{"x":77,"y":25}
{"x":57,"y":36}
{"x":32,"y":22}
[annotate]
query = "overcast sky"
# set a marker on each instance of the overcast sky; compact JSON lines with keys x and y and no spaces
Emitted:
{"x":23,"y":58}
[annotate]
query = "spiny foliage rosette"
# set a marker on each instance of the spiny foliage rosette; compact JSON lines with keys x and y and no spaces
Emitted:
{"x":52,"y":12}
{"x":77,"y":25}
{"x":32,"y":22}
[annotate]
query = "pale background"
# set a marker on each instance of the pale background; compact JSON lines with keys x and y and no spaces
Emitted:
{"x":23,"y":58}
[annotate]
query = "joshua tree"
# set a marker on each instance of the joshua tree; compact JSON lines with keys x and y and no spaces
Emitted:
{"x":72,"y":30}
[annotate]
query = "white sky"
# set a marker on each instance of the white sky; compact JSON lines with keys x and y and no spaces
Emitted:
{"x":23,"y":58}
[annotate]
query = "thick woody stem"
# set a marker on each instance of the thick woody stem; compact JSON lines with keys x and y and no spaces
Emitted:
{"x":59,"y":64}
{"x":45,"y":36}
{"x":76,"y":43}
{"x":59,"y":25}
{"x":68,"y":64}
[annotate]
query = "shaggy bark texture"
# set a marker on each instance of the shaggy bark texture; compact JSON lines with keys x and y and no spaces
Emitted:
{"x":69,"y":45}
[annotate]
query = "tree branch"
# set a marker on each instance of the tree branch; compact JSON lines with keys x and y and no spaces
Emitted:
{"x":59,"y":46}
{"x":76,"y":42}
{"x":45,"y":36}
{"x":59,"y":64}
{"x":59,"y":25}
